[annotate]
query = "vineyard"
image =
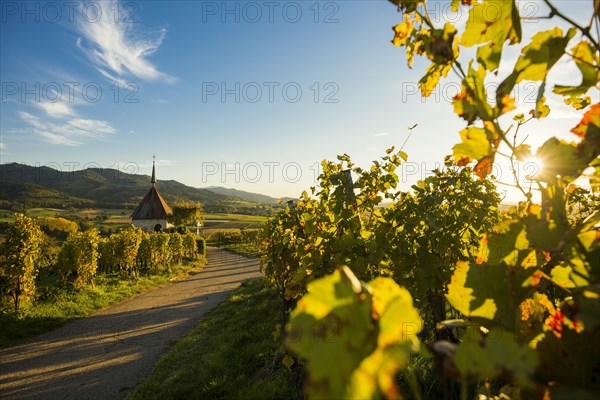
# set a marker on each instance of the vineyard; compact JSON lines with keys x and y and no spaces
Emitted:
{"x":439,"y":294}
{"x":38,"y":272}
{"x":373,"y":291}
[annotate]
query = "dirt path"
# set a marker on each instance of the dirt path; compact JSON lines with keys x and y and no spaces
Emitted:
{"x":105,"y":355}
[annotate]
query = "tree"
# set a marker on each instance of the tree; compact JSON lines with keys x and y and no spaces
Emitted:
{"x":187,"y":213}
{"x":21,"y":252}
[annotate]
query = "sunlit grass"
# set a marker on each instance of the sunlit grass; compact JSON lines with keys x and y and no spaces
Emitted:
{"x":231,"y":354}
{"x":244,"y":249}
{"x":55,"y":305}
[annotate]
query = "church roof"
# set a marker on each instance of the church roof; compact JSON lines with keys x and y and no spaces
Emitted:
{"x":153,"y":206}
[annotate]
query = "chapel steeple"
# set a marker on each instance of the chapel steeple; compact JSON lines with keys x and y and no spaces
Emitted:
{"x":153,"y":180}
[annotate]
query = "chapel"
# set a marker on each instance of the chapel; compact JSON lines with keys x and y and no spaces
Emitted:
{"x":153,"y":211}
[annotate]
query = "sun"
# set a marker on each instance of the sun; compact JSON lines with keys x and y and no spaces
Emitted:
{"x":532,"y":168}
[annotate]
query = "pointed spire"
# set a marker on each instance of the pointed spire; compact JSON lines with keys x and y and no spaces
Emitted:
{"x":153,"y":180}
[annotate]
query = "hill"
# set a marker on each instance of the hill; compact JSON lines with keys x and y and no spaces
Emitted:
{"x":25,"y":186}
{"x":248,"y":196}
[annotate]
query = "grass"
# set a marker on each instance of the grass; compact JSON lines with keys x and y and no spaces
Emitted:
{"x":239,"y":217}
{"x":56,"y":306}
{"x":119,"y":218}
{"x":232,"y":221}
{"x":244,"y":249}
{"x":231,"y":354}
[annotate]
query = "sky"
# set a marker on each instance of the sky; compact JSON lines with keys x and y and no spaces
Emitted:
{"x":244,"y":94}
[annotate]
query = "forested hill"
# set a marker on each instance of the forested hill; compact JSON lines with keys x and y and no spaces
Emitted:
{"x":25,"y":186}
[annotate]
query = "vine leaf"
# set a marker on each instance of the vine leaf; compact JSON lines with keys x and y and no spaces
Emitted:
{"x":587,"y":63}
{"x":397,"y":316}
{"x":491,"y":23}
{"x":484,"y":167}
{"x":466,"y":297}
{"x":355,"y":336}
{"x":571,"y":360}
{"x":497,"y":354}
{"x":589,"y":124}
{"x":402,"y":32}
{"x":432,"y":77}
{"x":471,"y":103}
{"x":479,"y":290}
{"x":560,"y":158}
{"x":536,"y":60}
{"x":504,"y":243}
{"x":474,"y":145}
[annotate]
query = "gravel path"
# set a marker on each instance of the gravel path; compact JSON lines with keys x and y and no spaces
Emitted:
{"x":105,"y":355}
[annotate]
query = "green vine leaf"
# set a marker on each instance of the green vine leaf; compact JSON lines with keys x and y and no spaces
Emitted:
{"x":587,"y":62}
{"x":479,"y":290}
{"x":471,"y":103}
{"x":491,"y":23}
{"x":355,"y":336}
{"x":560,"y":158}
{"x":475,"y":145}
{"x":495,"y":355}
{"x":536,"y":60}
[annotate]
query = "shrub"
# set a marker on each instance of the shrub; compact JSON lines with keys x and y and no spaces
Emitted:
{"x":78,"y":258}
{"x":190,"y":248}
{"x":20,"y":253}
{"x":201,"y":245}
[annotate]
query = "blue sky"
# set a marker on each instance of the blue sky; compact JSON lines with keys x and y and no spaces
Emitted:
{"x":241,"y":94}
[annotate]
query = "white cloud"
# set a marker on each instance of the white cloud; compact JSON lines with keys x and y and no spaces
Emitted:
{"x":69,"y":133}
{"x":118,"y":50}
{"x":57,"y":109}
{"x":118,"y":81}
{"x":381,"y":134}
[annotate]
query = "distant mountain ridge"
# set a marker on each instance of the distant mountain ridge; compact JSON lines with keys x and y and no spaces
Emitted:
{"x":248,"y":196}
{"x":28,"y":186}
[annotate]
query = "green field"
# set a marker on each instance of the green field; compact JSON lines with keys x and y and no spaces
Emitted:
{"x":119,"y":218}
{"x":232,"y":221}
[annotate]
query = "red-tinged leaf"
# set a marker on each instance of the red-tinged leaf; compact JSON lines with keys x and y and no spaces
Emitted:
{"x":590,"y":120}
{"x":464,"y":161}
{"x":484,"y":167}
